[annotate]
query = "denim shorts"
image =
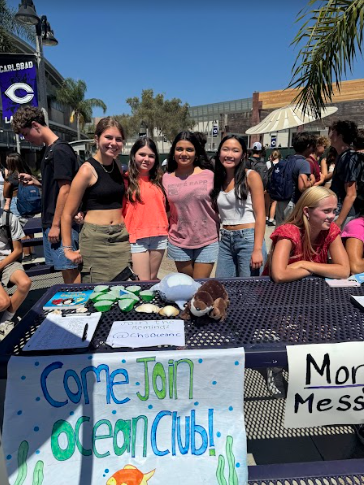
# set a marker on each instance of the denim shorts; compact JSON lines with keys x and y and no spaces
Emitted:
{"x":206,"y":254}
{"x":235,"y":250}
{"x":53,"y":253}
{"x":153,"y":243}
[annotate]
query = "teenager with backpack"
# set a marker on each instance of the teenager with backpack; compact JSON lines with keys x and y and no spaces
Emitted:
{"x":342,"y":134}
{"x":58,"y":168}
{"x":292,"y":176}
{"x":256,"y":162}
{"x":22,"y":201}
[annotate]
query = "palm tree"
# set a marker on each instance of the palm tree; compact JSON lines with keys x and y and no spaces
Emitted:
{"x":72,"y":94}
{"x":9,"y":25}
{"x":332,"y":36}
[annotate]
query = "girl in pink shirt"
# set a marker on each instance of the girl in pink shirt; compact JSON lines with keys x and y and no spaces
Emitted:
{"x":193,"y":222}
{"x":353,"y":236}
{"x":145,"y":210}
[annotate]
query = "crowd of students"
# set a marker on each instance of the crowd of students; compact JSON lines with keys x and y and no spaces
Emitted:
{"x":97,"y":220}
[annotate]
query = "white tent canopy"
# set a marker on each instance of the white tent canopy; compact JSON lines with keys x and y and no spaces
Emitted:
{"x":286,"y":118}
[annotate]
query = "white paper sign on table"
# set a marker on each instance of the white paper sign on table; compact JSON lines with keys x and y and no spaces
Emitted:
{"x":326,"y":384}
{"x":146,"y":333}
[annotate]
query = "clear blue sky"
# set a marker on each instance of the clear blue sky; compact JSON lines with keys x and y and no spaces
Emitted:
{"x":201,"y":51}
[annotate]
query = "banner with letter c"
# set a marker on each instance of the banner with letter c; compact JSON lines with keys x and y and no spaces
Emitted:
{"x":18,"y":82}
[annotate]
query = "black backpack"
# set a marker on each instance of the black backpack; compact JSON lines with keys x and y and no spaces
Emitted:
{"x":260,"y":167}
{"x":29,"y":200}
{"x":280,"y":185}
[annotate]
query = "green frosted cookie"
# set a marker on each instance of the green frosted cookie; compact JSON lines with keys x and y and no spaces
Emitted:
{"x":134,"y":289}
{"x":100,"y":288}
{"x":146,"y":295}
{"x":107,"y":296}
{"x":116,"y":290}
{"x":103,"y":305}
{"x":126,"y":305}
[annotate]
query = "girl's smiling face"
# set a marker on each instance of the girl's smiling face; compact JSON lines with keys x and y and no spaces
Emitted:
{"x":323,"y":215}
{"x":110,"y":142}
{"x":231,"y":153}
{"x":184,"y":153}
{"x":144,"y":160}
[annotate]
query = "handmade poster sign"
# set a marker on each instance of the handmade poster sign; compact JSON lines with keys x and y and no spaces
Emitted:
{"x":143,"y":418}
{"x":326,"y":384}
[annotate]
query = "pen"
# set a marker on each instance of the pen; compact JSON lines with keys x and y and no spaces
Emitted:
{"x":84,"y":336}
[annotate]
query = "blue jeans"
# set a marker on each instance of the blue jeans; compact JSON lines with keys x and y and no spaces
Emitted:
{"x":235,"y":250}
{"x":53,"y":253}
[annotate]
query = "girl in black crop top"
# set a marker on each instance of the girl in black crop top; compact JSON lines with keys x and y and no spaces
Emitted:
{"x":99,"y":187}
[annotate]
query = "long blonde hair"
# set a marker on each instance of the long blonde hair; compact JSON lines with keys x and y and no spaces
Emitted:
{"x":311,"y":199}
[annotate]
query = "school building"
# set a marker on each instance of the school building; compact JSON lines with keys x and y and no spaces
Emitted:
{"x":218,"y":119}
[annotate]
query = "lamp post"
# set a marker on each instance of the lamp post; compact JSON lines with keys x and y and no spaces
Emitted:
{"x":44,"y":36}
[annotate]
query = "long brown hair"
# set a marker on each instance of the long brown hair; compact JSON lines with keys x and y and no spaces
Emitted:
{"x":155,"y":174}
{"x":15,"y":163}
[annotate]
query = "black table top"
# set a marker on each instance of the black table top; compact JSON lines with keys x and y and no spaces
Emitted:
{"x":263,"y":317}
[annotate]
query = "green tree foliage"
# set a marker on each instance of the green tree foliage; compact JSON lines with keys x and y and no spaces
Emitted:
{"x":129,"y":123}
{"x":167,"y":116}
{"x":9,"y":25}
{"x":329,"y":39}
{"x":72,"y":94}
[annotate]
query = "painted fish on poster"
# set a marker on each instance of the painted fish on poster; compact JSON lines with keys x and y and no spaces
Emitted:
{"x":130,"y":475}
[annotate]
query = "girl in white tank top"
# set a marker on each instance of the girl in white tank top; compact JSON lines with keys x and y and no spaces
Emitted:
{"x":239,"y":196}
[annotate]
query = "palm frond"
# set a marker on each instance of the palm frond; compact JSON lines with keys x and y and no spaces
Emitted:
{"x":332,"y":35}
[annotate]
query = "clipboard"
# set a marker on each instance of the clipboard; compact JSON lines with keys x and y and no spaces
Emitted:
{"x":64,"y":333}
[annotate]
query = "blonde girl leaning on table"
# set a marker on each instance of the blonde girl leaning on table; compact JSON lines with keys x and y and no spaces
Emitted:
{"x":300,"y":248}
{"x":301,"y":245}
{"x":239,"y":196}
{"x":145,"y":210}
{"x":99,"y":186}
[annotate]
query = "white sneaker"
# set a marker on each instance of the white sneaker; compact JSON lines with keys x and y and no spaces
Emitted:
{"x":5,"y":328}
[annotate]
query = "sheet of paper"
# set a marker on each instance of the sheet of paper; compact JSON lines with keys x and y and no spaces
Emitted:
{"x":342,"y":283}
{"x":57,"y":332}
{"x":358,"y":299}
{"x":146,"y":333}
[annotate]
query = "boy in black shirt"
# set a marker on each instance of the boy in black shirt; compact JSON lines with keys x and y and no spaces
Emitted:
{"x":58,"y":168}
{"x":342,"y":134}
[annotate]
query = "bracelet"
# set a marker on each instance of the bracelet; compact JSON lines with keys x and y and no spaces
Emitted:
{"x":67,"y":247}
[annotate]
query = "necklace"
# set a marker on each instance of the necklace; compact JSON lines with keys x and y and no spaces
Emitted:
{"x":112,"y":166}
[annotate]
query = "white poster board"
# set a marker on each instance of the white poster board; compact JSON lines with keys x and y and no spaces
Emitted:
{"x":154,"y":417}
{"x":326,"y":384}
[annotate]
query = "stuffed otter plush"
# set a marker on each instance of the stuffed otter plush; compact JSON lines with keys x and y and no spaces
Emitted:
{"x":211,"y":299}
